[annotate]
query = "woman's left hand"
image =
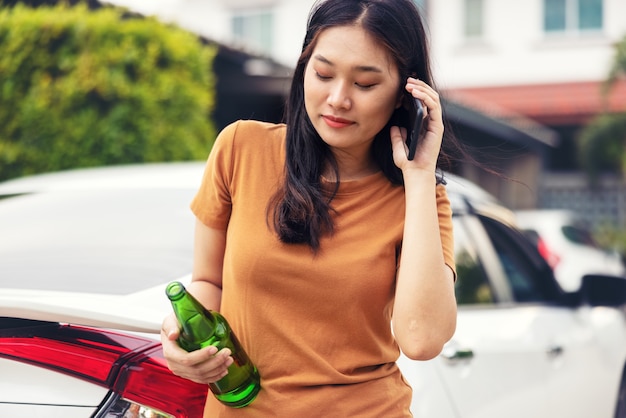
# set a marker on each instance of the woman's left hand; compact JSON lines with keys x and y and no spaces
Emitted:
{"x":429,"y":143}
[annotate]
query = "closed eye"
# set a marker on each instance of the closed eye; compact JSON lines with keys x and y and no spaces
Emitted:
{"x":362,"y":86}
{"x":365,"y":86}
{"x":322,"y":77}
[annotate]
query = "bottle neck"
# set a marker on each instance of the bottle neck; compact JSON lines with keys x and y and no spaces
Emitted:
{"x":175,"y":291}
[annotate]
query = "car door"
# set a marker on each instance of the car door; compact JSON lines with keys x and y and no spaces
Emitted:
{"x":582,"y":373}
{"x":519,"y":351}
{"x":495,"y":365}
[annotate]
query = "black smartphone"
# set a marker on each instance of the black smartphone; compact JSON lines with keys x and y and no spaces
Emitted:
{"x":414,"y":134}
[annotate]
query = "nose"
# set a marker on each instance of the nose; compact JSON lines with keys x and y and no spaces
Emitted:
{"x":339,"y":97}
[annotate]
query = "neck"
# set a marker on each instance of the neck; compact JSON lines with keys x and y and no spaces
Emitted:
{"x":351,"y":169}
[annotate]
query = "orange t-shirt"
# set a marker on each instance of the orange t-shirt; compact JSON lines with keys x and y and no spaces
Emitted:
{"x":317,"y":326}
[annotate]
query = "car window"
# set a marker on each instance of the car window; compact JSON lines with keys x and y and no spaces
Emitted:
{"x":578,"y":235}
{"x":472,"y":285}
{"x":532,"y":235}
{"x":524,"y":268}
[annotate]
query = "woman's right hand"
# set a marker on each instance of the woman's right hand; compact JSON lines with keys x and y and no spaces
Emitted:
{"x":205,"y":365}
{"x":429,"y":146}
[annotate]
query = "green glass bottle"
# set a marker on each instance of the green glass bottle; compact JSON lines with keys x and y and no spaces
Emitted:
{"x":201,"y":327}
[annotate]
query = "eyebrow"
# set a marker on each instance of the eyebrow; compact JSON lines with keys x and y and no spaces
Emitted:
{"x":362,"y":68}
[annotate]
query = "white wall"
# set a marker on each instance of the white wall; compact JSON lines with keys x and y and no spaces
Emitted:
{"x":292,"y":15}
{"x":205,"y":17}
{"x":212,"y":19}
{"x":515,"y":50}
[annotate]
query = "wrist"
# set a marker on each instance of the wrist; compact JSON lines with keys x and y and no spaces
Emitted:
{"x":419,"y":176}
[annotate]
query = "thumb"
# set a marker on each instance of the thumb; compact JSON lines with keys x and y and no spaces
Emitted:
{"x":171,"y":327}
{"x":398,"y":145}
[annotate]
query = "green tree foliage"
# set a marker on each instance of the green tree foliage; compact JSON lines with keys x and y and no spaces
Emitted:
{"x":603,"y":144}
{"x":603,"y":141}
{"x":83,"y":88}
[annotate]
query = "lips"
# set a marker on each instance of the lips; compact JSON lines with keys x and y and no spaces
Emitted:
{"x":335,"y":122}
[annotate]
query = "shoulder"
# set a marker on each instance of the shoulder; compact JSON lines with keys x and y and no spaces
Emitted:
{"x":247,"y":146}
{"x":243,"y":131}
{"x":246,"y":138}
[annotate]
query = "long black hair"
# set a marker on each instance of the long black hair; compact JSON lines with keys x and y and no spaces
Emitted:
{"x":301,"y":210}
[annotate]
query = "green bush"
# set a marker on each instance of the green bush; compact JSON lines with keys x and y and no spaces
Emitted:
{"x":601,"y":145}
{"x":83,"y":88}
{"x":602,"y":142}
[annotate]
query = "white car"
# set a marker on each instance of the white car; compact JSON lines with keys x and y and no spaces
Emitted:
{"x":567,"y":243}
{"x":85,"y":256}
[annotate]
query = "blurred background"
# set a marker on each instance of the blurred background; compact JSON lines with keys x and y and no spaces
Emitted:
{"x":537,"y":89}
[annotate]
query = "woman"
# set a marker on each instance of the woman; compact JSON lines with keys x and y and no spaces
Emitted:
{"x":326,"y":248}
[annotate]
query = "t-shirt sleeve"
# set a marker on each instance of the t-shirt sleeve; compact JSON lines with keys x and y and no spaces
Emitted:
{"x":212,"y":203}
{"x":444,"y":211}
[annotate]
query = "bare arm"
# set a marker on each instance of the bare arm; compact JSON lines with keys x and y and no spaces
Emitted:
{"x":208,"y":259}
{"x":424,"y":312}
{"x":203,"y":365}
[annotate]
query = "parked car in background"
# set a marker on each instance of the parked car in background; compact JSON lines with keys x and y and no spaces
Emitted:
{"x":568,"y":245}
{"x":85,"y":256}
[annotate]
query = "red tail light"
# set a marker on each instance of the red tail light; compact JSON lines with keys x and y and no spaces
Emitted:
{"x":147,"y":381}
{"x":546,"y":252}
{"x":131,"y":367}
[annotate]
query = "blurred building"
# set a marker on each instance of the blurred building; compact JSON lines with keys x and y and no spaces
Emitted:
{"x":520,"y":78}
{"x":540,"y":59}
{"x":547,"y":61}
{"x":534,"y":66}
{"x":544,"y":59}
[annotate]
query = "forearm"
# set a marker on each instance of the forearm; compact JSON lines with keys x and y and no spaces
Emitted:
{"x":208,"y":293}
{"x":208,"y":263}
{"x":424,"y":314}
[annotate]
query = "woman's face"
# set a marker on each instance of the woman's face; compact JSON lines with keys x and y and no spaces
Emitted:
{"x":351,"y":88}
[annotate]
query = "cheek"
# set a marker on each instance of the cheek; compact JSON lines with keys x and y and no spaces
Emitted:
{"x":308,"y":96}
{"x":311,"y":87}
{"x":384,"y":109}
{"x":314,"y":97}
{"x":307,"y":83}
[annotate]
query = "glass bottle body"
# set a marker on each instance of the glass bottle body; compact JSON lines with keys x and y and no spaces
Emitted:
{"x":200,"y":328}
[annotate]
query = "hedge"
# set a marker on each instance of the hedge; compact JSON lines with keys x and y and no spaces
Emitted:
{"x":602,"y":142}
{"x":83,"y":88}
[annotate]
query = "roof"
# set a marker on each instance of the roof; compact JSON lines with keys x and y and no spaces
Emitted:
{"x":553,"y":104}
{"x":509,"y":127}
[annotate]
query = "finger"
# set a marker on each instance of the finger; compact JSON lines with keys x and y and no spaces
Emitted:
{"x":430,"y":99}
{"x":399,"y":147}
{"x":422,"y":91}
{"x":396,"y":134}
{"x":179,"y":358}
{"x":220,"y":363}
{"x":417,"y":83}
{"x":170,"y":327}
{"x":210,"y":371}
{"x":205,"y":365}
{"x":398,"y":137}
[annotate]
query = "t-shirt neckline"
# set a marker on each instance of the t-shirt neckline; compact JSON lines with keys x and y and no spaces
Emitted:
{"x":357,"y":185}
